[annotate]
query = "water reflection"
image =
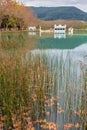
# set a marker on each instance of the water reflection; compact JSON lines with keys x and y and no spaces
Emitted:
{"x":32,"y":33}
{"x":62,"y":35}
{"x":17,"y":40}
{"x":63,"y":106}
{"x":61,"y":41}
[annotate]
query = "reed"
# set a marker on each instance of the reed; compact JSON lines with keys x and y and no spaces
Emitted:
{"x":41,"y":91}
{"x":16,"y":41}
{"x":23,"y":86}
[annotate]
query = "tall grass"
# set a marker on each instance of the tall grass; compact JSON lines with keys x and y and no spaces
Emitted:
{"x":41,"y":91}
{"x":35,"y":93}
{"x":68,"y":92}
{"x":24,"y":87}
{"x":16,"y":41}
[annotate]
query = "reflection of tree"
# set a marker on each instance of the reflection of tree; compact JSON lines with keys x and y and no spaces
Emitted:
{"x":16,"y":41}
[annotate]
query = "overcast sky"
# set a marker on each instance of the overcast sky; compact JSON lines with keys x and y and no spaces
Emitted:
{"x":82,"y":4}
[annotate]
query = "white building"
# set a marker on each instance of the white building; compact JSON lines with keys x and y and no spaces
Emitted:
{"x":70,"y":31}
{"x":59,"y":28}
{"x":32,"y":28}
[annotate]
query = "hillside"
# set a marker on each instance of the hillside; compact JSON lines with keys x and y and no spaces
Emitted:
{"x":59,"y":13}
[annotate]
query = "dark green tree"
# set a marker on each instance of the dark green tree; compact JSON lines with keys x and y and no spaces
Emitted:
{"x":19,"y":23}
{"x":12,"y":22}
{"x":5,"y":21}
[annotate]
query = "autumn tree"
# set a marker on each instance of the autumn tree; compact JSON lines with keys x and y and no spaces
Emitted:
{"x":13,"y":14}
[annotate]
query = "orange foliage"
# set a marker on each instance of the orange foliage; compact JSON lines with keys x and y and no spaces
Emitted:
{"x":68,"y":126}
{"x":77,"y":125}
{"x":13,"y":8}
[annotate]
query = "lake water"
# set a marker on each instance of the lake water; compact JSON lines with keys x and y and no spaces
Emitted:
{"x":67,"y":57}
{"x":67,"y":61}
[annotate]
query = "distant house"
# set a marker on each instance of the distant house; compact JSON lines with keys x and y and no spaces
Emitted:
{"x":32,"y":28}
{"x":59,"y":28}
{"x":70,"y":31}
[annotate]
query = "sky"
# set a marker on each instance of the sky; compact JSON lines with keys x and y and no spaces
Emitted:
{"x":82,"y":4}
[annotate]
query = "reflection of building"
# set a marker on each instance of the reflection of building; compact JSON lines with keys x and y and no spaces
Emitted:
{"x":58,"y":35}
{"x":59,"y":28}
{"x":32,"y":33}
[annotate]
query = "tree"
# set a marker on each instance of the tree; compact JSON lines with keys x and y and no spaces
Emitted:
{"x":12,"y":22}
{"x":19,"y":23}
{"x":13,"y":14}
{"x":5,"y":21}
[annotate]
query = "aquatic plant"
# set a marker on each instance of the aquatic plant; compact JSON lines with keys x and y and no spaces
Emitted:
{"x":39,"y":93}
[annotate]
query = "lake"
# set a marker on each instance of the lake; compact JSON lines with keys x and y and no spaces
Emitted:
{"x":65,"y":102}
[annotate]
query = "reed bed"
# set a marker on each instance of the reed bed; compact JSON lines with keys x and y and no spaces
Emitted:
{"x":17,"y":41}
{"x":67,"y":108}
{"x":41,"y":91}
{"x":36,"y":95}
{"x":24,"y":87}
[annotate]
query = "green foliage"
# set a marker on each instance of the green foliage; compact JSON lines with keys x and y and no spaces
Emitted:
{"x":19,"y":23}
{"x":11,"y":22}
{"x":12,"y":15}
{"x":5,"y":21}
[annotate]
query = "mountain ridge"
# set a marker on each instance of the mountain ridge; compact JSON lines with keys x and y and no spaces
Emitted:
{"x":60,"y":13}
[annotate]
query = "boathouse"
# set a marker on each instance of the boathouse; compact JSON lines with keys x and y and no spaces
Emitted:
{"x":32,"y":28}
{"x":59,"y":28}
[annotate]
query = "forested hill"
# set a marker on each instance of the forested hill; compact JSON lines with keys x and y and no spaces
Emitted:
{"x":59,"y":13}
